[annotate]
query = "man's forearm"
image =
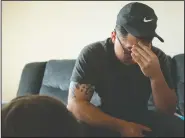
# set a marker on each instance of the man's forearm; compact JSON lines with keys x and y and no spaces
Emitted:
{"x":88,"y":113}
{"x":164,"y":98}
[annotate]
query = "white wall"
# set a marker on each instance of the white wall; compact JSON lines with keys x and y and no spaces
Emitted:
{"x":40,"y":31}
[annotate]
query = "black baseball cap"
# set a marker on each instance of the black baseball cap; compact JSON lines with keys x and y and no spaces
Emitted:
{"x":139,"y":20}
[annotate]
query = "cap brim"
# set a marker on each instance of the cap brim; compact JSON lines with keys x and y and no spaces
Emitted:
{"x":141,"y":33}
{"x":160,"y":38}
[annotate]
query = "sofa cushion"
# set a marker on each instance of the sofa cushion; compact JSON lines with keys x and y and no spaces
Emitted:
{"x":57,"y":78}
{"x":178,"y":75}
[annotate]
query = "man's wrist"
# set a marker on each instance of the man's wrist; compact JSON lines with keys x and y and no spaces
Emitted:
{"x":157,"y":77}
{"x":120,"y":124}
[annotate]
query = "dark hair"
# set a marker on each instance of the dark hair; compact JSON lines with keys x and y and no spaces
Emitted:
{"x":38,"y":116}
{"x":122,"y":32}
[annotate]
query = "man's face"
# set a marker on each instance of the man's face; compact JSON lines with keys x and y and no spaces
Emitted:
{"x":123,"y":46}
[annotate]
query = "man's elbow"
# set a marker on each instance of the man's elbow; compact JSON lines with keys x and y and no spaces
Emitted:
{"x":171,"y":104}
{"x":74,"y":105}
{"x":168,"y":109}
{"x":70,"y":105}
{"x":171,"y":110}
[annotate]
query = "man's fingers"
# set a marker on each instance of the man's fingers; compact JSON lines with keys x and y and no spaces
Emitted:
{"x":146,"y":49}
{"x":137,"y":59}
{"x":142,"y":54}
{"x":141,"y":51}
{"x":145,"y":128}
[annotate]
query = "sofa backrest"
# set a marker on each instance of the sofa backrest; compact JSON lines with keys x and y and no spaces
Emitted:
{"x":57,"y":78}
{"x":178,"y":76}
{"x":57,"y":75}
{"x":31,"y":78}
{"x":178,"y":64}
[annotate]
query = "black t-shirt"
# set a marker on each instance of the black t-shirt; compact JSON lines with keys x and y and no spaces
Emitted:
{"x":123,"y":89}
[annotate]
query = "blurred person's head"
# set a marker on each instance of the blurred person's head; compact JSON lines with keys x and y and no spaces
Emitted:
{"x":34,"y":116}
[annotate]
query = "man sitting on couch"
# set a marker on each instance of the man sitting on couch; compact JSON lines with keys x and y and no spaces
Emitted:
{"x":125,"y":70}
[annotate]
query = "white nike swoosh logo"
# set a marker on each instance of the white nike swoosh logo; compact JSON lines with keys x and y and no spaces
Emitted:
{"x":145,"y":20}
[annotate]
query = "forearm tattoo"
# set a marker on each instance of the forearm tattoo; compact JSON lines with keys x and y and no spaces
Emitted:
{"x":76,"y":88}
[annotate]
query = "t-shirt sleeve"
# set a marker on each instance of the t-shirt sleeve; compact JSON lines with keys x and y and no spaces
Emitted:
{"x":84,"y":70}
{"x":165,"y":64}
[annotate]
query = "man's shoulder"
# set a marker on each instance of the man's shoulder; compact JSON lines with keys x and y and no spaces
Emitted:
{"x":164,"y":59}
{"x":90,"y":63}
{"x":97,"y":48}
{"x":160,"y":54}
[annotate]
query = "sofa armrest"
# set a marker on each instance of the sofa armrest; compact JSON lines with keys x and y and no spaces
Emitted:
{"x":178,"y":76}
{"x":31,"y":78}
{"x":180,"y":116}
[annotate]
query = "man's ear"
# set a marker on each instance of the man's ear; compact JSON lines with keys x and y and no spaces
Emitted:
{"x":113,"y":36}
